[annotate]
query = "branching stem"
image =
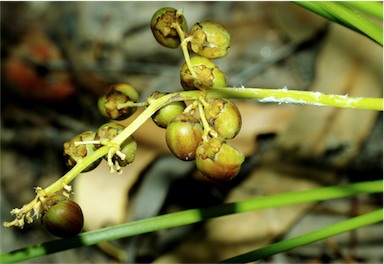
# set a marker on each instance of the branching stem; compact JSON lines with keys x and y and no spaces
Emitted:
{"x":184,"y":45}
{"x":263,"y":95}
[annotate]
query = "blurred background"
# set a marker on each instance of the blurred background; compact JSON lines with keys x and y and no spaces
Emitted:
{"x":59,"y":57}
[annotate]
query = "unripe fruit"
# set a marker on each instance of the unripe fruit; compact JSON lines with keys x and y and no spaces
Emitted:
{"x":210,"y":39}
{"x":162,"y":29}
{"x":218,"y":160}
{"x":167,"y":113}
{"x":207,"y":73}
{"x":183,"y":135}
{"x":74,"y":154}
{"x":62,"y":217}
{"x":109,"y":131}
{"x":129,"y":148}
{"x":118,"y":94}
{"x":223,"y":116}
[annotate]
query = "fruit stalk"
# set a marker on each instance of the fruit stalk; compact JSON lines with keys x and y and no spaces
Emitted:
{"x":263,"y":95}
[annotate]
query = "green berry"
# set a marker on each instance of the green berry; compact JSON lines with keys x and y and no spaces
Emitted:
{"x":218,"y":160}
{"x":109,"y":131}
{"x":167,"y":113}
{"x":73,"y":154}
{"x":129,"y":148}
{"x":62,"y":217}
{"x":183,"y":135}
{"x":223,"y":116}
{"x":162,"y":28}
{"x":207,"y":73}
{"x":209,"y":39}
{"x":118,"y":94}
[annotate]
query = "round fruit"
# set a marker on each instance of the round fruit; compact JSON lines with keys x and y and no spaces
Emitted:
{"x":162,"y":28}
{"x":209,"y":39}
{"x":167,"y":113}
{"x":218,"y":160}
{"x":208,"y":75}
{"x":118,"y":94}
{"x":73,"y":154}
{"x":223,"y":116}
{"x":183,"y":135}
{"x":108,"y":132}
{"x":129,"y":148}
{"x":62,"y":217}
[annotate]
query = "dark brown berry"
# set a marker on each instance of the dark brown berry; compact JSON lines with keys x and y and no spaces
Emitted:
{"x":62,"y":217}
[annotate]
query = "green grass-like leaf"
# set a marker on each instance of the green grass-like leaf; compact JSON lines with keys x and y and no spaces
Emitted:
{"x":308,"y":238}
{"x":347,"y":14}
{"x":189,"y":217}
{"x":372,"y":8}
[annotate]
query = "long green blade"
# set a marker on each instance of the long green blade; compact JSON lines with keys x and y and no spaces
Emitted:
{"x":329,"y":231}
{"x":344,"y":14}
{"x":189,"y":217}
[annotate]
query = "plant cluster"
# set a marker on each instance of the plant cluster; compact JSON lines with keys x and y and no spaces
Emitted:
{"x":201,"y":130}
{"x":197,"y":129}
{"x":199,"y":123}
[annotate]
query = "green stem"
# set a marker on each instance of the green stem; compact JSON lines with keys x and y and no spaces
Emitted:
{"x":72,"y":174}
{"x":150,"y":110}
{"x":308,"y":238}
{"x":190,"y":217}
{"x":131,"y":104}
{"x":298,"y":97}
{"x":263,"y":95}
{"x":206,"y":126}
{"x":184,"y":47}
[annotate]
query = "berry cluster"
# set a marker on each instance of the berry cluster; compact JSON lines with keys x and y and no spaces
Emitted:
{"x":117,"y":104}
{"x":200,"y":130}
{"x":195,"y":130}
{"x":61,"y":216}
